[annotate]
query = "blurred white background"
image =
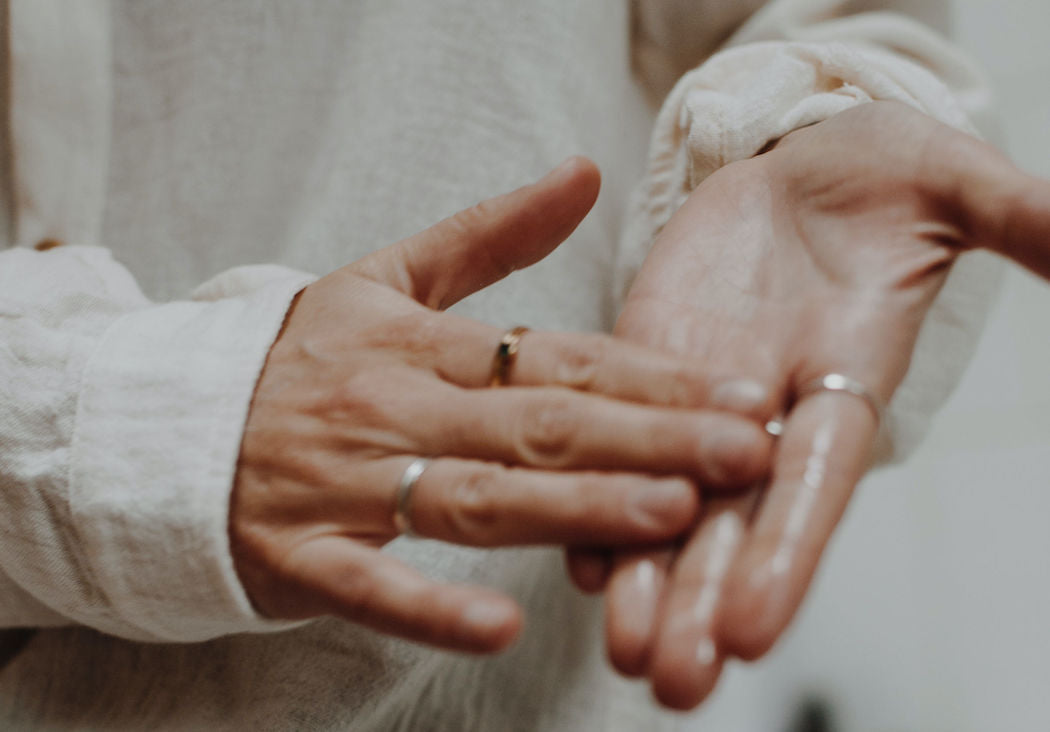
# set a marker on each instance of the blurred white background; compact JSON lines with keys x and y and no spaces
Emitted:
{"x":932,"y":610}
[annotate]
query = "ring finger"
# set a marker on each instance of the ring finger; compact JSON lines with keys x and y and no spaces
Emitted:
{"x":486,"y":504}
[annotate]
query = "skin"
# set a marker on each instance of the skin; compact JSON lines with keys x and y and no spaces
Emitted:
{"x":595,"y":440}
{"x":822,"y":255}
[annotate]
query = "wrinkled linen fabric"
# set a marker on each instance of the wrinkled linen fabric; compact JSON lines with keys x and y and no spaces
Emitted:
{"x":170,"y":144}
{"x":758,"y":90}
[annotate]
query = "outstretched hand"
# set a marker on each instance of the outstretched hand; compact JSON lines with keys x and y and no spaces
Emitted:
{"x":589,"y":443}
{"x":821,"y":256}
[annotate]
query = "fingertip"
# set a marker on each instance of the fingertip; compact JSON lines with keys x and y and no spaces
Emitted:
{"x":581,"y":170}
{"x":630,"y":618}
{"x":578,"y":182}
{"x":628,"y":657}
{"x":685,"y":677}
{"x":588,"y":569}
{"x":738,"y":454}
{"x":666,"y":508}
{"x":627,"y":644}
{"x":745,"y":397}
{"x":490,"y":625}
{"x":757,"y":611}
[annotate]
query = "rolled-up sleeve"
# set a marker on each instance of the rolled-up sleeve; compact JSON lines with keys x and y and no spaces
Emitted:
{"x":792,"y":63}
{"x":120,"y":427}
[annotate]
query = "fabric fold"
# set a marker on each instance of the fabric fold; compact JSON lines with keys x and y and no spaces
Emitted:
{"x":744,"y":97}
{"x":124,"y":442}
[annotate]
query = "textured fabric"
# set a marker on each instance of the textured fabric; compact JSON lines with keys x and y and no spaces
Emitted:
{"x":729,"y":108}
{"x":223,"y":133}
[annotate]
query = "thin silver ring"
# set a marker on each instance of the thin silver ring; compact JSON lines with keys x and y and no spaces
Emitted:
{"x":403,"y":501}
{"x":846,"y":385}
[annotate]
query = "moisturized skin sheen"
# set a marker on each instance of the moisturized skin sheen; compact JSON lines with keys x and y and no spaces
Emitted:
{"x":820,"y":256}
{"x":593,"y":440}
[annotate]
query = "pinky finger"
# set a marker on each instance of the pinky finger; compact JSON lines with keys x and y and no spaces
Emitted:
{"x":364,"y":585}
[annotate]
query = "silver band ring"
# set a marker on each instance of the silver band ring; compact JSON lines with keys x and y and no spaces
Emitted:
{"x":403,"y":500}
{"x":843,"y":383}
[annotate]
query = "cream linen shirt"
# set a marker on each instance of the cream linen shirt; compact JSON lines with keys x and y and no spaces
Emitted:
{"x":173,"y":143}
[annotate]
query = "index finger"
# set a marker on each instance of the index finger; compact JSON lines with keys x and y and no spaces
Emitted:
{"x":824,"y":451}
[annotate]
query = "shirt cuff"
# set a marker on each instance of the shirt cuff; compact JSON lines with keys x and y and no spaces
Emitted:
{"x":158,"y":430}
{"x":744,"y":97}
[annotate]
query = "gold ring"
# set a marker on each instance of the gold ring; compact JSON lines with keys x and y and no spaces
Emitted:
{"x":506,"y":353}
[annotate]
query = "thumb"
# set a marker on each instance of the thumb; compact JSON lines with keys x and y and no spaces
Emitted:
{"x":1020,"y":228}
{"x":1002,"y":208}
{"x":483,"y":244}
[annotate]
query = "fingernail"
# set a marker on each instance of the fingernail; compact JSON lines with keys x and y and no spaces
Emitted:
{"x":729,"y":455}
{"x":740,"y":395}
{"x":665,"y":502}
{"x":485,"y":616}
{"x":645,"y":577}
{"x":706,"y":653}
{"x":637,"y":615}
{"x":560,"y":168}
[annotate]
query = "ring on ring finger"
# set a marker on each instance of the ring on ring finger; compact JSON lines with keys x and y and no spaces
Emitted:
{"x":403,"y":496}
{"x":841,"y":383}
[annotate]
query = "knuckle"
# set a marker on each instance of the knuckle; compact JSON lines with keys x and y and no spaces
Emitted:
{"x":546,"y":431}
{"x":473,"y":510}
{"x":355,"y":586}
{"x":684,"y":387}
{"x":580,"y":363}
{"x":470,"y":219}
{"x":367,"y":410}
{"x":479,"y":217}
{"x":415,"y":338}
{"x":596,"y":497}
{"x":356,"y":397}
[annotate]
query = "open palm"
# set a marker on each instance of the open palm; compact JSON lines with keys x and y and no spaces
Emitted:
{"x":821,"y":256}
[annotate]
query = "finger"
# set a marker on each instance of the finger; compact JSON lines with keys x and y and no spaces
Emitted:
{"x":344,"y":578}
{"x":588,"y":568}
{"x":632,"y":607}
{"x":593,"y":363}
{"x":559,"y":429}
{"x":744,"y":365}
{"x":686,"y":658}
{"x":999,"y":206}
{"x":1019,"y":227}
{"x":486,"y":504}
{"x":483,"y":244}
{"x":823,"y":452}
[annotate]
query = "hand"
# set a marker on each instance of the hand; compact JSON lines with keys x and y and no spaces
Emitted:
{"x":821,"y":256}
{"x":367,"y":375}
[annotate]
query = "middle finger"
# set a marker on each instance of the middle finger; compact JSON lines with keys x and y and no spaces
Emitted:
{"x":560,"y":429}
